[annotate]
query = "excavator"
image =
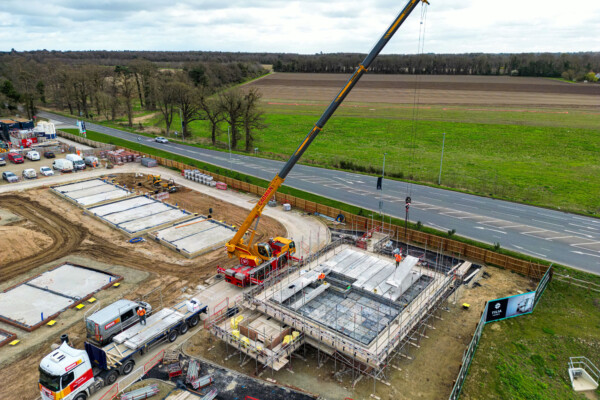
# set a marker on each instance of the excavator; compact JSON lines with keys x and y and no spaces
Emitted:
{"x":258,"y":260}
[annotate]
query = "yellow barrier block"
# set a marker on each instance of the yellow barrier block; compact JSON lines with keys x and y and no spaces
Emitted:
{"x":51,"y":323}
{"x":117,"y":284}
{"x":91,"y":300}
{"x":14,"y":342}
{"x":80,"y":306}
{"x":466,"y":306}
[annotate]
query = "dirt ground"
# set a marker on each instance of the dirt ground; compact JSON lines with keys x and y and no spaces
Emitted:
{"x":428,"y":375}
{"x":446,"y":89}
{"x":71,"y":233}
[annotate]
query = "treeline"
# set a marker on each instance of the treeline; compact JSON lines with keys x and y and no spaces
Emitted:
{"x":572,"y":66}
{"x":198,"y":91}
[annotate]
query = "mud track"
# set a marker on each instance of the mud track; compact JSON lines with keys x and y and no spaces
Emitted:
{"x":72,"y":238}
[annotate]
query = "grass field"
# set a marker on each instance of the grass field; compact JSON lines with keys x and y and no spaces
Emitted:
{"x":550,"y":166}
{"x":526,"y":357}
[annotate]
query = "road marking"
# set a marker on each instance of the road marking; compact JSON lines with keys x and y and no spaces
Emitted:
{"x":558,"y":237}
{"x":489,"y":229}
{"x":587,"y":220}
{"x":488,"y":221}
{"x":587,"y":254}
{"x":584,"y":227}
{"x":436,"y":226}
{"x":549,"y":223}
{"x":538,"y":231}
{"x":465,"y":205}
{"x":513,"y":226}
{"x":579,"y":233}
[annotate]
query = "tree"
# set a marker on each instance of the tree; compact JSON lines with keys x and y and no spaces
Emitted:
{"x":166,"y":100}
{"x":252,"y":116}
{"x":186,"y":99}
{"x":211,"y":111}
{"x":231,"y":103}
{"x":127,"y":90}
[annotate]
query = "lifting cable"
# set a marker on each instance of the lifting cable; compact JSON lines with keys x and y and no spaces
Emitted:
{"x":415,"y":116}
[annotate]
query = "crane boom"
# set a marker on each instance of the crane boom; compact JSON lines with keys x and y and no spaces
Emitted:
{"x":236,"y":245}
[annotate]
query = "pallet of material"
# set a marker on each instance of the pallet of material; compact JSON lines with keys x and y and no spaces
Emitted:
{"x":138,"y":335}
{"x":141,"y":393}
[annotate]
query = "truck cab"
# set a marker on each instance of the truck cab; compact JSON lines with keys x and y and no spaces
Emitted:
{"x":66,"y":373}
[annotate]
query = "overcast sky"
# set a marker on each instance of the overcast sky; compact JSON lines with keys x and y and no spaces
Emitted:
{"x":307,"y":26}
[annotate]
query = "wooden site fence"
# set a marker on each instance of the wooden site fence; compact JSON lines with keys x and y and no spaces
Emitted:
{"x":433,"y":242}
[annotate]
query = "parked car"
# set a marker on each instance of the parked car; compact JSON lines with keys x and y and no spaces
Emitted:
{"x":161,"y":139}
{"x":33,"y":155}
{"x":29,"y":173}
{"x":63,"y":165}
{"x":15,"y":158}
{"x":77,"y":161}
{"x":49,"y":154}
{"x":2,"y":162}
{"x":104,"y":324}
{"x":10,"y":177}
{"x":91,"y":161}
{"x":46,"y":171}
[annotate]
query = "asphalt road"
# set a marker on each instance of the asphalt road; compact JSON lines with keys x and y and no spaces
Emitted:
{"x":556,"y":236}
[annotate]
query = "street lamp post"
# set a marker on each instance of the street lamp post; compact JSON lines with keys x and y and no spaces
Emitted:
{"x":442,"y":160}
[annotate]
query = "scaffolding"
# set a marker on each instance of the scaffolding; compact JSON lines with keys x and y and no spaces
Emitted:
{"x":277,"y":297}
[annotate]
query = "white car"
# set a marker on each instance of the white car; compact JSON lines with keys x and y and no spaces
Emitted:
{"x":33,"y":155}
{"x":46,"y":171}
{"x":29,"y":173}
{"x":161,"y":139}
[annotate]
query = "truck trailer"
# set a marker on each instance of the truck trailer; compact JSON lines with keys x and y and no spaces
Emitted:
{"x":73,"y":374}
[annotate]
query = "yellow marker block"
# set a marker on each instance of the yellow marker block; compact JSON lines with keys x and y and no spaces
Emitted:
{"x":91,"y":300}
{"x":14,"y":342}
{"x":117,"y":284}
{"x":51,"y":323}
{"x":80,"y":306}
{"x":466,"y":305}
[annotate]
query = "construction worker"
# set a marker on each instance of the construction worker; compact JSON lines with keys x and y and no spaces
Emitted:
{"x":398,"y":257}
{"x":142,"y":315}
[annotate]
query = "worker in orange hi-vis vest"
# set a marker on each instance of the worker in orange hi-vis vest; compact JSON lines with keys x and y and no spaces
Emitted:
{"x":398,"y":257}
{"x":142,"y":314}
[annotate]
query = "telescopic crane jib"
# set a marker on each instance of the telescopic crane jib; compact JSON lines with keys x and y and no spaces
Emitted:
{"x":255,"y":255}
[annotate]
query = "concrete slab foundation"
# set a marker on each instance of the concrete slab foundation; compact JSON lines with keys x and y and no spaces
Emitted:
{"x":195,"y":236}
{"x":89,"y":192}
{"x":31,"y":303}
{"x":138,"y":215}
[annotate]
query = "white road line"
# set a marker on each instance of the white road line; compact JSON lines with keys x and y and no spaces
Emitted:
{"x":436,"y":226}
{"x":527,"y":233}
{"x":587,"y":254}
{"x":489,"y":229}
{"x":549,"y":223}
{"x":512,"y":226}
{"x":584,"y":227}
{"x":591,"y":221}
{"x":579,"y":233}
{"x":584,"y":244}
{"x":465,"y":205}
{"x":488,"y":221}
{"x":559,"y":237}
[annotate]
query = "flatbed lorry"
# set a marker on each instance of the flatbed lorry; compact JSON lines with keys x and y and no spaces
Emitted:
{"x":73,"y":374}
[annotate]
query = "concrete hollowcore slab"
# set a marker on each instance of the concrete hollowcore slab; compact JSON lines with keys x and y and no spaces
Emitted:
{"x":152,"y":221}
{"x":121,"y":205}
{"x":79,"y":185}
{"x":196,"y":235}
{"x":27,"y":305}
{"x":137,"y":213}
{"x":72,"y":281}
{"x":90,"y":192}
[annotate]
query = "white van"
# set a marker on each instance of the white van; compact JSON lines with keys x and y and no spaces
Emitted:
{"x":77,"y":161}
{"x":33,"y":155}
{"x":62,"y":165}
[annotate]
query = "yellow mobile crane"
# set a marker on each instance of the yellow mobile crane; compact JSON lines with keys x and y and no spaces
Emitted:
{"x":258,"y":260}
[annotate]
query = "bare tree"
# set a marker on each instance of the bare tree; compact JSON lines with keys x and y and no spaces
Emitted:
{"x":127,"y":87}
{"x":231,"y":103}
{"x":166,"y":100}
{"x":252,"y":116}
{"x":211,"y":111}
{"x":186,"y":100}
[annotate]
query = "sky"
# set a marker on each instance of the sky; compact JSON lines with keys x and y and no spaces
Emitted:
{"x":306,"y":27}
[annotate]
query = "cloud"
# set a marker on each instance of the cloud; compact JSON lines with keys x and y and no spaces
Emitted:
{"x":295,"y":26}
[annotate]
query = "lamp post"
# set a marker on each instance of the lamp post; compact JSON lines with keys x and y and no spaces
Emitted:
{"x":229,"y":143}
{"x":442,"y":160}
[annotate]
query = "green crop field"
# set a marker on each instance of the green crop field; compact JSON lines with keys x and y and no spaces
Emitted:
{"x":526,"y":357}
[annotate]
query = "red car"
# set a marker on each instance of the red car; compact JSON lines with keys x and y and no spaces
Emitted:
{"x":15,"y":158}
